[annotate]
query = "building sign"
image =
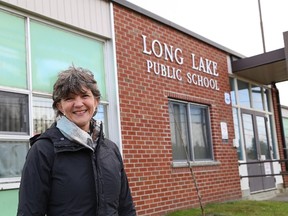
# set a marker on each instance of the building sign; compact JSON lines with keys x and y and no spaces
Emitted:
{"x":206,"y":69}
{"x":224,"y":130}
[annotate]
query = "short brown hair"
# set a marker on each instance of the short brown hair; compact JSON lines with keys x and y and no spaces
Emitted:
{"x":73,"y":80}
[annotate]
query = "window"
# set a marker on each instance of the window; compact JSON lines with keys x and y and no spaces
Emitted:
{"x":14,"y":113}
{"x":190,"y":132}
{"x":248,"y":97}
{"x":101,"y":117}
{"x":43,"y":114}
{"x":232,"y":91}
{"x":12,"y":51}
{"x":12,"y":158}
{"x":266,"y":96}
{"x":32,"y":53}
{"x":257,"y":99}
{"x":243,"y":92}
{"x":53,"y":49}
{"x":14,"y":122}
{"x":237,"y":133}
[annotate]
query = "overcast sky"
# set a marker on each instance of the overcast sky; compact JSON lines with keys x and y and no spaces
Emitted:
{"x":234,"y":24}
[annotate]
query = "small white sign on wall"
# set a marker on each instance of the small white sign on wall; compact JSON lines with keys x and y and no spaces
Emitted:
{"x":267,"y":167}
{"x":224,"y":130}
{"x":227,"y":98}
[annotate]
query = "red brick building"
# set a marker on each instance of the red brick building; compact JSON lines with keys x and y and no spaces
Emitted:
{"x":160,"y":184}
{"x":196,"y":122}
{"x":161,"y":65}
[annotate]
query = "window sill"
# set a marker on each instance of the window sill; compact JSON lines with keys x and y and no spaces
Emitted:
{"x":194,"y":163}
{"x":9,"y":183}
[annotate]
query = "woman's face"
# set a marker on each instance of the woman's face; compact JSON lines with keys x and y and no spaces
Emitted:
{"x":79,"y":108}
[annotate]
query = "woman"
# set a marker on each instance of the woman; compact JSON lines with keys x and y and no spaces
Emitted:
{"x":71,"y":169}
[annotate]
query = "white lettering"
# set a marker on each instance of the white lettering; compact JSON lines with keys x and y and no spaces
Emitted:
{"x":163,"y":70}
{"x":159,"y":47}
{"x":178,"y":76}
{"x":204,"y":65}
{"x":178,"y":59}
{"x":149,"y":65}
{"x":170,"y":74}
{"x":162,"y":50}
{"x":193,"y":62}
{"x":145,"y":51}
{"x":202,"y":81}
{"x":168,"y":52}
{"x":201,"y":65}
{"x":214,"y":69}
{"x":208,"y":64}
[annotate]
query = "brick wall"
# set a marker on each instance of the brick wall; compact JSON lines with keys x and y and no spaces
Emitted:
{"x":156,"y":186}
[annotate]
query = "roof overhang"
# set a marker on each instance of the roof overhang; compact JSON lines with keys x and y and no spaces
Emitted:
{"x":266,"y":68}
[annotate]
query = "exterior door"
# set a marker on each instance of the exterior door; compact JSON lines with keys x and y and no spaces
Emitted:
{"x":257,"y":148}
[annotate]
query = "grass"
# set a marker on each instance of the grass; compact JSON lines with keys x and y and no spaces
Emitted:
{"x":239,"y":208}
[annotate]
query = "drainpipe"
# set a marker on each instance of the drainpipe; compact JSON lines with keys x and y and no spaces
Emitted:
{"x":281,"y":124}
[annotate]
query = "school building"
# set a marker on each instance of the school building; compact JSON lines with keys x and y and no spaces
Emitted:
{"x":196,"y":122}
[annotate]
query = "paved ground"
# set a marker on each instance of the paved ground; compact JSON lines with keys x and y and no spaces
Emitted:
{"x":277,"y":195}
{"x":280,"y":197}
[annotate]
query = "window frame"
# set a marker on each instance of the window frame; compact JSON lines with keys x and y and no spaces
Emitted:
{"x":24,"y":112}
{"x":266,"y":98}
{"x":191,"y":154}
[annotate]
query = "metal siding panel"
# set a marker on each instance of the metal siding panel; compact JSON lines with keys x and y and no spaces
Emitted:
{"x":105,"y":16}
{"x":75,"y":15}
{"x":54,"y":10}
{"x":46,"y":8}
{"x":83,"y":15}
{"x":86,"y":13}
{"x":66,"y":11}
{"x":90,"y":15}
{"x":95,"y":15}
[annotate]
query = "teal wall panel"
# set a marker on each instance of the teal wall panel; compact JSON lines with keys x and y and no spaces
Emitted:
{"x":8,"y":202}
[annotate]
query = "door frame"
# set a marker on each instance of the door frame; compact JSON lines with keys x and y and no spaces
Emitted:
{"x":260,"y":183}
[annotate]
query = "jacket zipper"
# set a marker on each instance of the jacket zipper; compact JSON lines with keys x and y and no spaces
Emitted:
{"x":96,"y":180}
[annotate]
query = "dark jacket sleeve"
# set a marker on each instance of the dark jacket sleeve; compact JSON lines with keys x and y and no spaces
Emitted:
{"x":35,"y":180}
{"x":126,"y":205}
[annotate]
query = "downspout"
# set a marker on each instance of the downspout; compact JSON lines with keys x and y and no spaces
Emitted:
{"x":281,"y":123}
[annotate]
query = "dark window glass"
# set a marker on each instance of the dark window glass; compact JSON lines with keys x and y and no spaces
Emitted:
{"x":257,"y":97}
{"x":200,"y":132}
{"x":179,"y":131}
{"x":12,"y":158}
{"x":14,"y":113}
{"x":190,"y":132}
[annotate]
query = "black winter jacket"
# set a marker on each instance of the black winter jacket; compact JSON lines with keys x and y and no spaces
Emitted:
{"x":63,"y":178}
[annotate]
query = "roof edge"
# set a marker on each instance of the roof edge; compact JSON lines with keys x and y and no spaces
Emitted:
{"x":261,"y":59}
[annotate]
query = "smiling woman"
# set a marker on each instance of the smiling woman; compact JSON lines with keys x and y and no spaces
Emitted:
{"x":65,"y":163}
